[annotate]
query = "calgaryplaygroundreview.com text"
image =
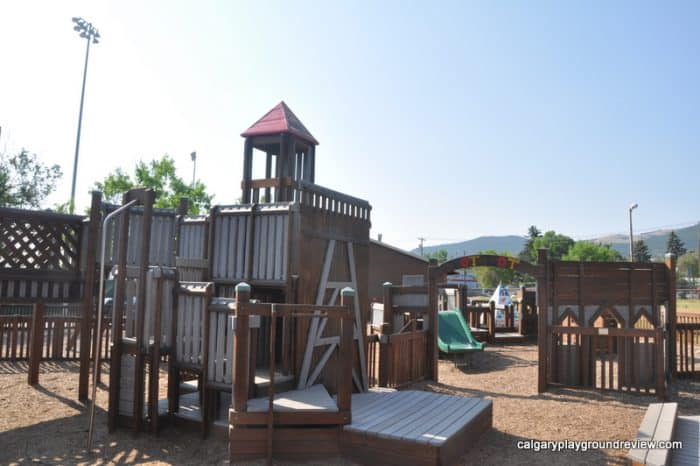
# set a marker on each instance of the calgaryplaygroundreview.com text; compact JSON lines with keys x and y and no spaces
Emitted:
{"x":585,"y":445}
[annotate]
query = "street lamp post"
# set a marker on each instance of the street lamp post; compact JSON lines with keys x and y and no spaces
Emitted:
{"x":193,"y":155}
{"x":632,"y":207}
{"x":89,"y":32}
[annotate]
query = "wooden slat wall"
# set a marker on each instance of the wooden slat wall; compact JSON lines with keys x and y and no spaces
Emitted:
{"x":270,"y":260}
{"x":189,"y":332}
{"x":230,"y":237}
{"x":250,"y":245}
{"x":167,"y":276}
{"x":192,"y":238}
{"x":162,"y":244}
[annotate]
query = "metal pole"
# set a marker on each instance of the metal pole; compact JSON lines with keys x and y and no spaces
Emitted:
{"x":631,"y":238}
{"x":194,"y":166}
{"x":100,"y":299}
{"x":632,"y":207}
{"x":80,"y":120}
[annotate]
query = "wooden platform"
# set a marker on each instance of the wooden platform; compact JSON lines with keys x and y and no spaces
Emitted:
{"x":388,"y":427}
{"x":413,"y":427}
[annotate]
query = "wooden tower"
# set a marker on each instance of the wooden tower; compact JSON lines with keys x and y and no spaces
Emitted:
{"x":288,"y":147}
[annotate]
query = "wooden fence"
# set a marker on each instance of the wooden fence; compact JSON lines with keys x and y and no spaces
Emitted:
{"x":60,"y":338}
{"x":687,"y":337}
{"x":620,"y":359}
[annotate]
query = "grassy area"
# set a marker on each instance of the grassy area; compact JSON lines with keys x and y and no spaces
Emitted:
{"x":688,"y":305}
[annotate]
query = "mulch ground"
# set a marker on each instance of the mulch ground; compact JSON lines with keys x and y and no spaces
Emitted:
{"x":47,"y":425}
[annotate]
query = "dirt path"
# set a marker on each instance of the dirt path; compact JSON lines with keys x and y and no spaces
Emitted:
{"x":46,"y":425}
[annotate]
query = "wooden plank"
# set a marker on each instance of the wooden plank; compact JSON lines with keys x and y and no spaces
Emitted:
{"x":396,"y":407}
{"x":429,"y":432}
{"x":432,"y":406}
{"x":313,"y":329}
{"x":443,"y":435}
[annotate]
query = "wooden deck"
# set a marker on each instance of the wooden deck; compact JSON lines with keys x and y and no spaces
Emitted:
{"x":413,"y":427}
{"x":400,"y":427}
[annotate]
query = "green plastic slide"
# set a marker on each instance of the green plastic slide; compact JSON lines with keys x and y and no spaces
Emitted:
{"x":454,"y":335}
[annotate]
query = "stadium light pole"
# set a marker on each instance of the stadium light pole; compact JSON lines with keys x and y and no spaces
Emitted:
{"x":89,"y":32}
{"x":632,"y":207}
{"x":193,"y":156}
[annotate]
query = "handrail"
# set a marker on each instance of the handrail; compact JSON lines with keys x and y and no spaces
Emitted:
{"x":100,"y":300}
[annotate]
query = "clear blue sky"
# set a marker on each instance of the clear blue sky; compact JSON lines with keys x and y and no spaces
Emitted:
{"x":454,"y":121}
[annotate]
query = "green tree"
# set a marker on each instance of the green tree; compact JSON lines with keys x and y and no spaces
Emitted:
{"x":489,"y":277}
{"x":640,"y":251}
{"x":160,"y":175}
{"x":24,"y":181}
{"x":527,"y":252}
{"x":688,"y":266}
{"x":440,"y":255}
{"x":557,"y":244}
{"x":675,"y":245}
{"x":590,"y":251}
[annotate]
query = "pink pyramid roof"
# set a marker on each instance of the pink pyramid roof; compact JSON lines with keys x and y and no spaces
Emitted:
{"x":280,"y":119}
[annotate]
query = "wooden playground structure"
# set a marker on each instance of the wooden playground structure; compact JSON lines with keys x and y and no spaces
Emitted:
{"x":259,"y":314}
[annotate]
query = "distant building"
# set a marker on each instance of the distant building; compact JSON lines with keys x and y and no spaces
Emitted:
{"x":390,"y":264}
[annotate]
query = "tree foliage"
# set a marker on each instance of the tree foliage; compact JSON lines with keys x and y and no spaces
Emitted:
{"x":24,"y":181}
{"x":688,"y":265}
{"x":440,"y":255}
{"x":489,"y":277}
{"x":161,"y":176}
{"x":640,"y":251}
{"x":675,"y":245}
{"x":557,"y":244}
{"x":590,"y":251}
{"x":529,"y":253}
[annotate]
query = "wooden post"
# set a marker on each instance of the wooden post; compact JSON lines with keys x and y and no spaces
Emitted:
{"x":36,"y":343}
{"x":492,"y":321}
{"x":247,"y":170}
{"x":86,"y":322}
{"x":670,"y":260}
{"x":147,"y":198}
{"x":117,"y":318}
{"x":433,"y":323}
{"x":154,"y":380}
{"x":388,"y":308}
{"x":542,"y":314}
{"x":659,"y":363}
{"x":268,"y":174}
{"x":345,"y":351}
{"x":241,"y":358}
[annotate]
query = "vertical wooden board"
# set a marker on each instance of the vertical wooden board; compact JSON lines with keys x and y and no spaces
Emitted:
{"x":216,"y":248}
{"x":224,"y":251}
{"x":234,"y":249}
{"x":241,"y":247}
{"x":271,"y":247}
{"x":180,"y":331}
{"x":186,"y":329}
{"x":196,"y":331}
{"x":280,"y":242}
{"x":220,"y":345}
{"x":228,"y":346}
{"x":212,"y":360}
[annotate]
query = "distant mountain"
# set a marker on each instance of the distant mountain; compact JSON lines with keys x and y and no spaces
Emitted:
{"x":655,"y":240}
{"x":512,"y":244}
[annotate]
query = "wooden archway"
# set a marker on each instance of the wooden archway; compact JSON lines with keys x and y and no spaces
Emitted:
{"x":438,"y":273}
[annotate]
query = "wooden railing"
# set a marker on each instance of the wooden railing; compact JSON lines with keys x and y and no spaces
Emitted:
{"x":687,"y":335}
{"x":318,"y":197}
{"x":244,"y":310}
{"x":622,"y":359}
{"x":60,"y":338}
